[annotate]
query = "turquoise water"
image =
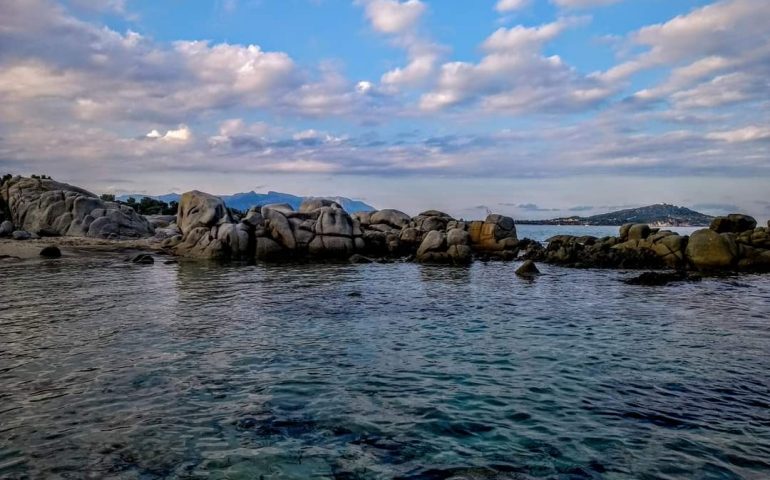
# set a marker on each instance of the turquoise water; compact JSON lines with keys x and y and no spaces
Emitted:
{"x":113,"y":370}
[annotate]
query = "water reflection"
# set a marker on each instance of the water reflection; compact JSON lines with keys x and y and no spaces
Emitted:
{"x":198,"y":370}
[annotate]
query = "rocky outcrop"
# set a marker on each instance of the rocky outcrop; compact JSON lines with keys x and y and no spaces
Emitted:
{"x":49,"y":208}
{"x":723,"y":246}
{"x":322,"y":229}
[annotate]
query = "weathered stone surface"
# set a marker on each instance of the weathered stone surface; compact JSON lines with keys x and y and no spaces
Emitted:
{"x":198,"y":209}
{"x":334,"y":221}
{"x":624,"y":229}
{"x":160,"y":221}
{"x":21,"y":235}
{"x":267,"y":249}
{"x":363,"y":218}
{"x":54,"y":208}
{"x":312,"y":203}
{"x":639,"y":231}
{"x":709,"y":250}
{"x":497,"y":233}
{"x":460,"y":254}
{"x":331,"y":246}
{"x":6,"y":228}
{"x":457,"y":236}
{"x":254,"y":217}
{"x":394,"y":218}
{"x":278,"y":226}
{"x":431,"y":220}
{"x":527,"y":269}
{"x":733,"y":223}
{"x":434,"y":241}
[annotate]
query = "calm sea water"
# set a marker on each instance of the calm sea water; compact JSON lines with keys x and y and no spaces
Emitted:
{"x":543,"y":232}
{"x":113,"y":370}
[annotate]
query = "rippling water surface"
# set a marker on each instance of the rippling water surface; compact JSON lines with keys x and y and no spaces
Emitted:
{"x":113,"y":370}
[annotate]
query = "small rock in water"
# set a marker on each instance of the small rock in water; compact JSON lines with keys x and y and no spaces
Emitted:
{"x":143,"y":258}
{"x":527,"y":269}
{"x":357,"y":258}
{"x":170,"y":262}
{"x":21,"y":235}
{"x":655,"y":279}
{"x":51,"y":251}
{"x":354,"y":294}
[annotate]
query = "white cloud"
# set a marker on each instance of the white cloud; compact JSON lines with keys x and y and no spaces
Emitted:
{"x":515,"y":77}
{"x":510,"y":5}
{"x":583,"y":3}
{"x":181,"y":134}
{"x":750,"y":133}
{"x":394,"y":16}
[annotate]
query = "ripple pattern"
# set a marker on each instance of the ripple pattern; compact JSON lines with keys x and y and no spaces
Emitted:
{"x":205,"y":371}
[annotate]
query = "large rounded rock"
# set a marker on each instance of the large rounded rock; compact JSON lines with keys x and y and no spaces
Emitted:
{"x":53,"y":208}
{"x":314,"y":203}
{"x":198,"y":209}
{"x":434,"y":242}
{"x":334,"y":221}
{"x":497,"y":233}
{"x":21,"y":235}
{"x":709,"y":250}
{"x":6,"y":228}
{"x":733,"y":223}
{"x":279,"y":227}
{"x":638,"y":231}
{"x":394,"y":218}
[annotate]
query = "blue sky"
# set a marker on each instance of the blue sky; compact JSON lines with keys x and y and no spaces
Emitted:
{"x":532,"y":108}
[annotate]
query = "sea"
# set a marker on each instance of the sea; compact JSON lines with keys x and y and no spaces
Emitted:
{"x":198,"y":370}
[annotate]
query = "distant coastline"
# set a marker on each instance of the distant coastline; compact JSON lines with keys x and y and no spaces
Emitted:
{"x":658,"y":215}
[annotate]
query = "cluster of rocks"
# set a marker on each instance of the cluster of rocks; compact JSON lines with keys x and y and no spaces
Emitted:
{"x":46,"y":208}
{"x":321,"y":228}
{"x":733,"y":242}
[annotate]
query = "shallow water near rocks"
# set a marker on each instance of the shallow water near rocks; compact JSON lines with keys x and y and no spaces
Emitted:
{"x":199,"y":370}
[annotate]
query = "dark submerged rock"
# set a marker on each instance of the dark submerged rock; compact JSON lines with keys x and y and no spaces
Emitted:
{"x":654,"y":279}
{"x":51,"y":251}
{"x":143,"y":259}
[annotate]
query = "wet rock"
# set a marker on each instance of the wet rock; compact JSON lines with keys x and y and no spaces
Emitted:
{"x":709,"y":250}
{"x":268,"y":249}
{"x":21,"y":235}
{"x":433,"y":242}
{"x":6,"y":228}
{"x":733,"y":223}
{"x":51,"y":251}
{"x":527,"y":269}
{"x":661,"y":278}
{"x":357,"y":259}
{"x":143,"y":259}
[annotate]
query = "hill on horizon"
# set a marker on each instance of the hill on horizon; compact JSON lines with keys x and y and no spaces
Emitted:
{"x":246,"y":200}
{"x":660,"y":214}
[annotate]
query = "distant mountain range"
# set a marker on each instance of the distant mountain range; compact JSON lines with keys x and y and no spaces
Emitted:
{"x":660,"y":214}
{"x":246,"y":200}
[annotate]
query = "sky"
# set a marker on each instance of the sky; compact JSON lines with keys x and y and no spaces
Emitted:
{"x":531,"y":108}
